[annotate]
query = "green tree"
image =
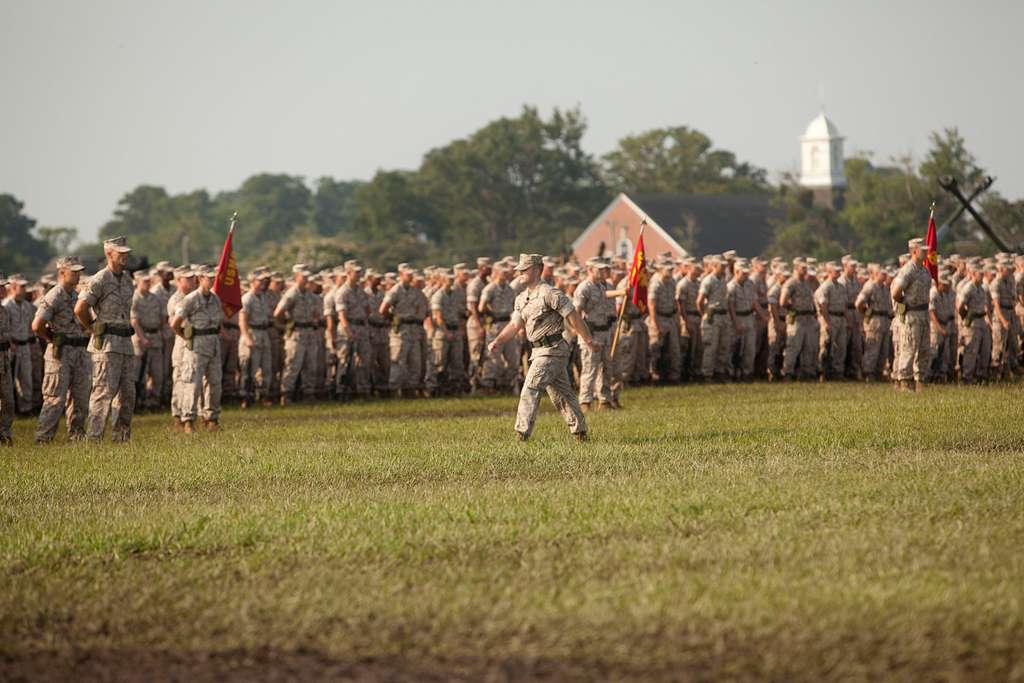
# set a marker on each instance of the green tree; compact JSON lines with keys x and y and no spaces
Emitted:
{"x":679,"y":160}
{"x":60,"y":239}
{"x":334,"y":206}
{"x":271,"y":207}
{"x":20,"y":250}
{"x":517,"y":183}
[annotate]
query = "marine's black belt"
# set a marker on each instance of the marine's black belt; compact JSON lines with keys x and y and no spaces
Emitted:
{"x":373,"y":324}
{"x":943,"y":321}
{"x":500,"y":318}
{"x":205,"y":331}
{"x":1007,"y":308}
{"x":356,"y":323}
{"x":410,"y":321}
{"x":884,"y":314}
{"x":304,"y":326}
{"x":601,"y":328}
{"x":452,"y":328}
{"x":5,"y":345}
{"x":230,"y":326}
{"x":75,"y":341}
{"x":21,"y":342}
{"x":692,"y":311}
{"x":920,"y":307}
{"x":151,"y":330}
{"x":744,"y":313}
{"x":119,"y":331}
{"x":831,"y":312}
{"x":264,"y":326}
{"x":851,"y":307}
{"x":548,"y":341}
{"x":665,"y":315}
{"x":718,"y":311}
{"x":799,"y":313}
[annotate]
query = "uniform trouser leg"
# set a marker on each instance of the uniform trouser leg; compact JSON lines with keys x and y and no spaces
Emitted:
{"x":694,"y":361}
{"x":23,"y":376}
{"x":776,"y":343}
{"x":213,"y":383}
{"x":801,"y":349}
{"x":594,"y":375}
{"x":747,"y":338}
{"x":709,"y":333}
{"x":298,"y":363}
{"x":855,"y":347}
{"x":437,"y":362}
{"x":838,"y":341}
{"x":152,"y":376}
{"x":455,"y":363}
{"x":475,"y":340}
{"x":254,"y":370}
{"x":940,"y":343}
{"x":167,"y":351}
{"x":500,"y":367}
{"x":915,"y":349}
{"x":664,"y":347}
{"x":380,"y":349}
{"x":66,"y":387}
{"x":971,"y":342}
{"x":1000,"y":344}
{"x":624,"y":361}
{"x":6,"y":402}
{"x":177,"y":356}
{"x":876,"y":338}
{"x":276,"y":361}
{"x":404,"y":359}
{"x":113,"y":389}
{"x":548,"y":372}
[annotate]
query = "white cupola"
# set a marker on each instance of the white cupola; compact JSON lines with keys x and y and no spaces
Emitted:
{"x":821,"y":155}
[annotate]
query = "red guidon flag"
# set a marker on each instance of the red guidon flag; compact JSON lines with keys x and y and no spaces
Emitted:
{"x":226,"y":284}
{"x":932,"y":241}
{"x":638,"y":274}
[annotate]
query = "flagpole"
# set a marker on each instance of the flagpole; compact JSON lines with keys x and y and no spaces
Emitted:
{"x":625,"y":302}
{"x":234,"y":219}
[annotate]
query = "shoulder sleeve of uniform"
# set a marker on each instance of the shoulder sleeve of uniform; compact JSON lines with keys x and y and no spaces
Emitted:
{"x":435,"y":300}
{"x":92,"y":290}
{"x":558,"y":301}
{"x":186,"y":306}
{"x":45,"y":309}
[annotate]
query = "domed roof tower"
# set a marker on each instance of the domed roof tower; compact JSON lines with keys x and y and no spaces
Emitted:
{"x":821,"y":160}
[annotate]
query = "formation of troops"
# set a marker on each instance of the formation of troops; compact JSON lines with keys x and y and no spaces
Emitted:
{"x":95,"y":349}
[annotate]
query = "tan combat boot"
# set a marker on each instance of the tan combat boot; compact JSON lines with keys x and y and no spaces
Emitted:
{"x":187,"y":427}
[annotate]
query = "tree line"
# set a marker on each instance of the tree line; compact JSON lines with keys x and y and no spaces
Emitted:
{"x":518,"y":183}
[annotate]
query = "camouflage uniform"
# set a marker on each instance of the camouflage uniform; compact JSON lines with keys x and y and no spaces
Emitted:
{"x":1004,"y":338}
{"x":854,"y":333}
{"x":914,"y":348}
{"x":113,"y":357}
{"x":878,"y":322}
{"x":407,"y":309}
{"x":742,"y":295}
{"x":475,"y":333}
{"x":354,"y":354}
{"x":630,"y":338}
{"x":716,"y":329}
{"x":501,"y":368}
{"x":201,"y":365}
{"x":447,"y":343}
{"x":303,"y":308}
{"x":380,"y":357}
{"x":691,"y":345}
{"x":663,"y":327}
{"x":797,"y":300}
{"x":596,"y":373}
{"x":943,"y":340}
{"x":759,"y":278}
{"x":68,"y":379}
{"x":167,"y":336}
{"x":20,"y":314}
{"x":276,"y":335}
{"x":776,"y":331}
{"x":831,"y":300}
{"x":178,"y":385}
{"x":149,"y":362}
{"x":254,"y":361}
{"x":542,"y":312}
{"x":973,"y":306}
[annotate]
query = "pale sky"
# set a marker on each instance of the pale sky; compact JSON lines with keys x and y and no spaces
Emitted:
{"x":100,"y":96}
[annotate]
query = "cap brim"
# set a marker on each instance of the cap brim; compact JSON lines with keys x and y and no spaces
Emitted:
{"x":75,"y":268}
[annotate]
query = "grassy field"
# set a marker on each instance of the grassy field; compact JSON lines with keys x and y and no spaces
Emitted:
{"x":797,"y":532}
